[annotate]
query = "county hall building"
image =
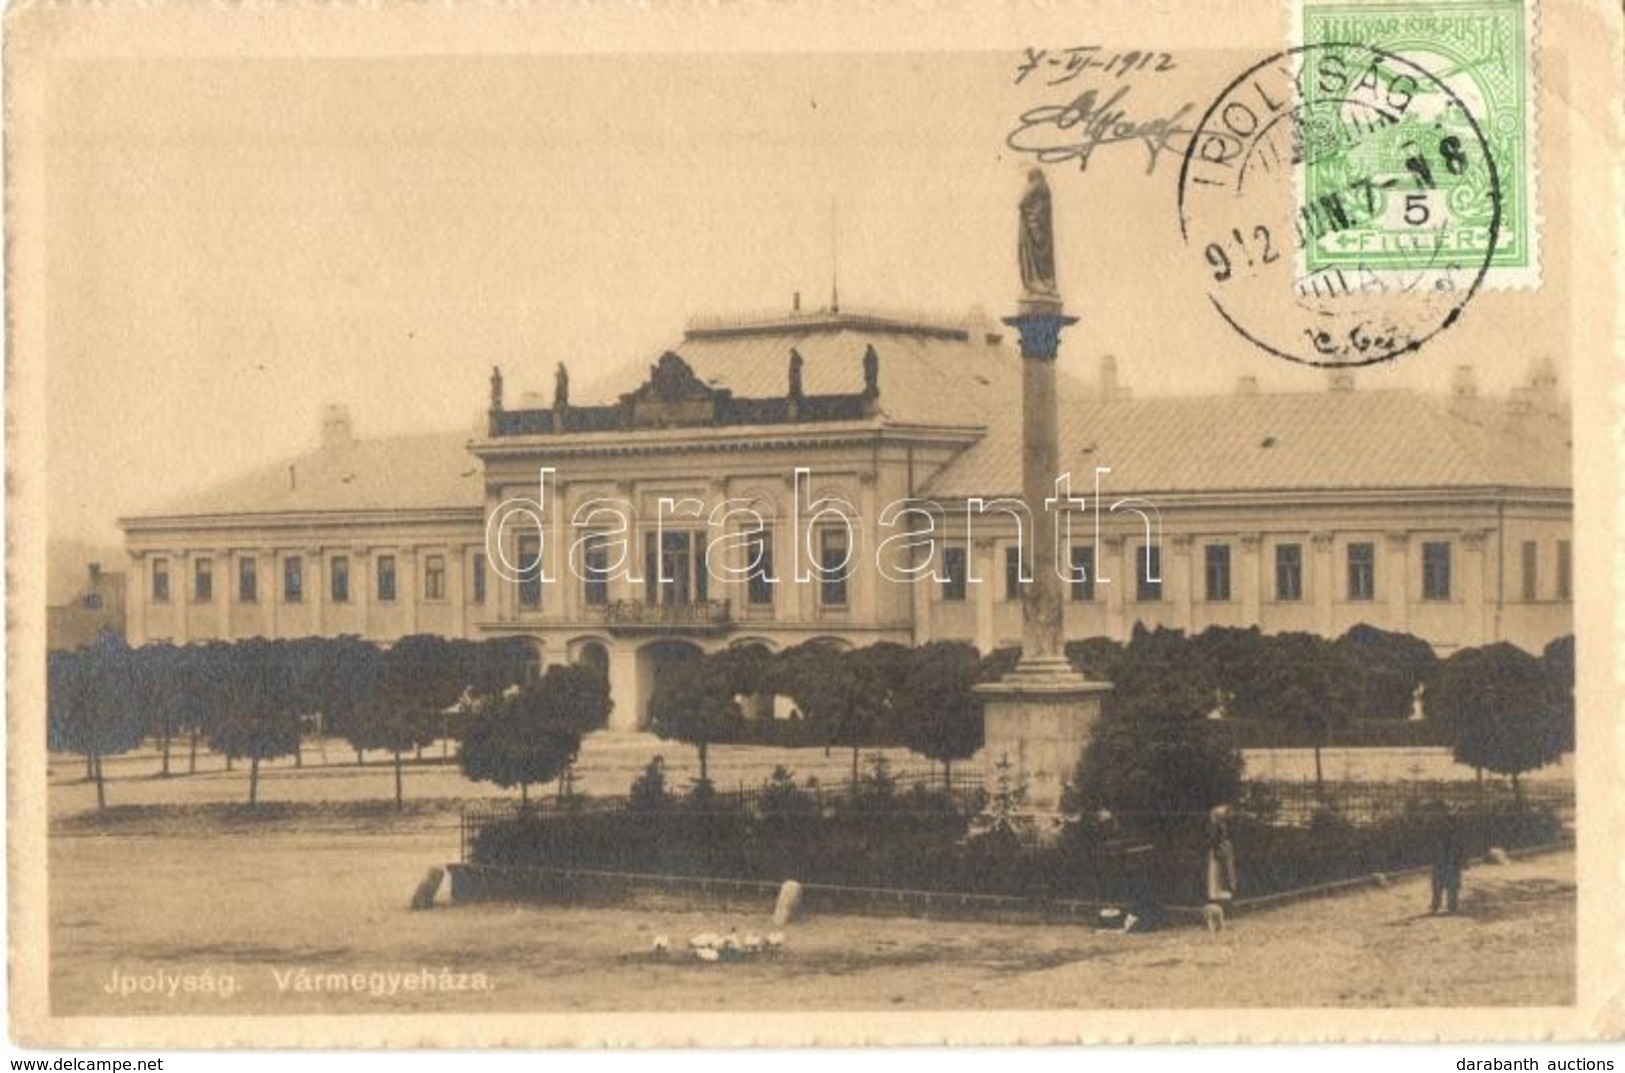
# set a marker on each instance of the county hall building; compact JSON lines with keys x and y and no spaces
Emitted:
{"x":851,"y":477}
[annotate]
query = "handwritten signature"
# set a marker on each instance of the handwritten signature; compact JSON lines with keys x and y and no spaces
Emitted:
{"x":1056,"y":133}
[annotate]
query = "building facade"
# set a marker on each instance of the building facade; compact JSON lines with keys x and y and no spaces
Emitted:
{"x":856,"y":477}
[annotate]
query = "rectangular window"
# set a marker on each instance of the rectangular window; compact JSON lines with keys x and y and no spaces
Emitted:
{"x":293,"y":579}
{"x":1083,"y":572}
{"x":1289,"y":571}
{"x":1362,"y":571}
{"x":248,"y":580}
{"x":160,"y":581}
{"x":1012,"y":573}
{"x":955,"y":569}
{"x":759,"y":583}
{"x":386,"y":577}
{"x":1531,"y":564}
{"x":203,"y":580}
{"x":530,"y":570}
{"x":595,"y":571}
{"x":833,"y":548}
{"x":434,"y":577}
{"x":338,"y":569}
{"x":479,"y":578}
{"x":1148,"y":575}
{"x":1565,"y":570}
{"x":1218,"y":571}
{"x":1436,"y":570}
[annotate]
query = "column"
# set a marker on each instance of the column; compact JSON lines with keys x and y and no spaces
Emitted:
{"x":560,"y":595}
{"x":457,"y":569}
{"x":920,"y":593}
{"x":863,"y":567}
{"x":1114,"y":581}
{"x":137,"y":593}
{"x":623,"y":687}
{"x":407,"y":589}
{"x":269,"y":568}
{"x":987,"y":577}
{"x":1395,"y":577}
{"x":1182,"y":579}
{"x":361,"y":582}
{"x":1474,"y":606}
{"x":225,"y":576}
{"x":1323,"y":580}
{"x":1252,"y":579}
{"x":315,"y":590}
{"x":180,"y":591}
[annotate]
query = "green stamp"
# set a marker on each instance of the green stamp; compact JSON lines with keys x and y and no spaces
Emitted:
{"x":1422,"y":177}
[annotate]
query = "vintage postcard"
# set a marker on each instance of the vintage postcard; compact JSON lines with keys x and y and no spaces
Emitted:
{"x":813,"y":523}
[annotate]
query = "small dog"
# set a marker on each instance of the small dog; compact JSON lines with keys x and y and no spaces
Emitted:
{"x":1213,"y":916}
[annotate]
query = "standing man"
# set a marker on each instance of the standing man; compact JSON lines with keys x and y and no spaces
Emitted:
{"x":1449,"y":861}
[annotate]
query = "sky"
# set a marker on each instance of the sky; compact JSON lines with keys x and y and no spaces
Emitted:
{"x":233,"y":243}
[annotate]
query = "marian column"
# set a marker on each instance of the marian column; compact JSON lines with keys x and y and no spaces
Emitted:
{"x":1039,"y":716}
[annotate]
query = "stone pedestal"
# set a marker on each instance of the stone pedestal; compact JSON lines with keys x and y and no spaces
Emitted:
{"x":1039,"y":717}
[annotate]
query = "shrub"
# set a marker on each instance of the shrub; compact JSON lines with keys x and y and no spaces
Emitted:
{"x":649,"y":792}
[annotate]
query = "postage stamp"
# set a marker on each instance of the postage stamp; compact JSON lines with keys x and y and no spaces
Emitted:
{"x":1323,"y":118}
{"x":1479,"y":54}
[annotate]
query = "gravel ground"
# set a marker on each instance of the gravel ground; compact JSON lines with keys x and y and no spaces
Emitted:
{"x":260,"y":905}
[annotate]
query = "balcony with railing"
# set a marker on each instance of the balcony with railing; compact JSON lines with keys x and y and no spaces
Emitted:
{"x":690,"y":616}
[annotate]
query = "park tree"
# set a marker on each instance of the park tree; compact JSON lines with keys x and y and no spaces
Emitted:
{"x":694,"y":703}
{"x":1557,"y":662}
{"x":87,"y":706}
{"x":1380,"y":671}
{"x":1095,"y":658}
{"x":1153,"y":754}
{"x":1297,"y":680}
{"x":394,"y":723}
{"x":346,"y":674}
{"x":937,"y":707}
{"x":532,"y":735}
{"x":1501,"y":710}
{"x":154,"y":694}
{"x":261,"y":717}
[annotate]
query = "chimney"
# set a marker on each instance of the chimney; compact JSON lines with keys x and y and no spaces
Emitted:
{"x":95,"y":573}
{"x":336,"y":429}
{"x":795,"y":302}
{"x":979,"y":329}
{"x":1109,"y":388}
{"x":1463,"y":384}
{"x":293,"y":478}
{"x":1339,"y":381}
{"x":1246,"y":385}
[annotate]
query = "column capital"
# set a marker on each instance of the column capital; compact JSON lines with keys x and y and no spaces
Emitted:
{"x":1252,"y":541}
{"x":1474,"y":539}
{"x":1040,"y":330}
{"x":1397,"y":536}
{"x":1322,"y":541}
{"x":1182,"y":542}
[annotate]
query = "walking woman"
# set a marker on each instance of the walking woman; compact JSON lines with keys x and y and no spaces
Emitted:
{"x":1221,"y":856}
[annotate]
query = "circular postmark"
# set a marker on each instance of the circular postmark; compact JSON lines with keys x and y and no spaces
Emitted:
{"x":1321,"y":195}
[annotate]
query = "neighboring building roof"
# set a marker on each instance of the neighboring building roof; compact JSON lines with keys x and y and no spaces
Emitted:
{"x":1258,"y":442}
{"x":428,"y":472}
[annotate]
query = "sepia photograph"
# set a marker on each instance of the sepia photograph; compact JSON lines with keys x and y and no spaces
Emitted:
{"x":812,"y":525}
